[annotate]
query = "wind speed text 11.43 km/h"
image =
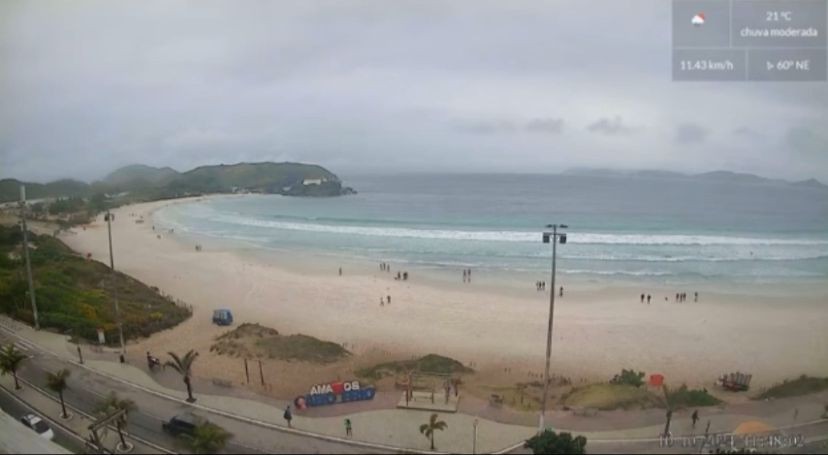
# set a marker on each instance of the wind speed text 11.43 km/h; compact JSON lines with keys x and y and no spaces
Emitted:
{"x":707,"y":65}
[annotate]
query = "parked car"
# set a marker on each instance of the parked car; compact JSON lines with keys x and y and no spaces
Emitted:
{"x":38,"y":425}
{"x":185,"y":423}
{"x":222,"y":317}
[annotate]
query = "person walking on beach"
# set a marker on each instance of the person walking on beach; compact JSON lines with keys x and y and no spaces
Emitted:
{"x":340,"y":271}
{"x":642,"y":298}
{"x":648,"y":298}
{"x":389,"y":300}
{"x":695,"y":418}
{"x":348,"y":430}
{"x":560,"y":294}
{"x":695,"y":296}
{"x":468,"y":274}
{"x":382,"y":301}
{"x":464,"y":275}
{"x":288,"y":416}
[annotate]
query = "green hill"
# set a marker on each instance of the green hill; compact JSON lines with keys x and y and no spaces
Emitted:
{"x":139,"y":176}
{"x":150,"y":183}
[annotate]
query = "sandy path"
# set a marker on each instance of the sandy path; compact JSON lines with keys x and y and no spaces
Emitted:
{"x":597,"y":331}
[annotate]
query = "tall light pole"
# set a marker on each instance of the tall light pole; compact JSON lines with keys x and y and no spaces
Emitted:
{"x":109,"y":218}
{"x":474,"y":441}
{"x":26,"y":254}
{"x":554,"y":237}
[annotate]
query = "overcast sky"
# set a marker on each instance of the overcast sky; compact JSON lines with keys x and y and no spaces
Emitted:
{"x":540,"y":86}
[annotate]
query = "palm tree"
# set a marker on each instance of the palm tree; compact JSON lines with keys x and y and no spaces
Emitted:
{"x":10,"y":360}
{"x":184,"y":367}
{"x":428,"y":429}
{"x":209,"y":438}
{"x":57,"y":383}
{"x":111,"y":404}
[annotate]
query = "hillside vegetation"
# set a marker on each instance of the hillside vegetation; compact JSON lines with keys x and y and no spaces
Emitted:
{"x":150,"y":183}
{"x":75,"y":295}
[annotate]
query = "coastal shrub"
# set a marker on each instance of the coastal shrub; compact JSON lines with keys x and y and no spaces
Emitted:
{"x":609,"y":397}
{"x":802,"y":385}
{"x":629,"y":377}
{"x":684,"y":397}
{"x":550,"y":442}
{"x":257,"y":341}
{"x":431,"y":363}
{"x":77,"y":296}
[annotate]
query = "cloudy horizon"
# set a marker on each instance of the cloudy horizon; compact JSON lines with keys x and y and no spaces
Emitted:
{"x":374,"y":86}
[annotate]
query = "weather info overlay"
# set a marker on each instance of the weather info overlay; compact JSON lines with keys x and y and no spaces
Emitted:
{"x":749,"y":40}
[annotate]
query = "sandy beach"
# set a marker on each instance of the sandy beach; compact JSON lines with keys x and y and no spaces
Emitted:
{"x":598,"y":330}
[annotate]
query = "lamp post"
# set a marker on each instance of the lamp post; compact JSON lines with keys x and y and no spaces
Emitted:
{"x":108,"y":217}
{"x":26,"y":254}
{"x":554,"y":237}
{"x":474,"y":441}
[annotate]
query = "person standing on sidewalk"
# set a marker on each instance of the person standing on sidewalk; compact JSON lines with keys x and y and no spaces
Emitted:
{"x":348,"y":430}
{"x":288,"y":416}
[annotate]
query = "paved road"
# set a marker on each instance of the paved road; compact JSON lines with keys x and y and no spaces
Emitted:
{"x":86,"y":389}
{"x":17,"y":410}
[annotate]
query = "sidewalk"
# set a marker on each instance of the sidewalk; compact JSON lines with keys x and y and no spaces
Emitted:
{"x":399,"y":428}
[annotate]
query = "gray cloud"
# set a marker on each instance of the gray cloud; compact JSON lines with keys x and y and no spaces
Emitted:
{"x":746,"y":132}
{"x":690,"y":133}
{"x":609,"y":126}
{"x":545,"y":125}
{"x":362,"y":85}
{"x":807,"y":142}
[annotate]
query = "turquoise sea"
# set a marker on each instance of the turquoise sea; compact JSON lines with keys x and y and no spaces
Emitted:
{"x":663,"y":229}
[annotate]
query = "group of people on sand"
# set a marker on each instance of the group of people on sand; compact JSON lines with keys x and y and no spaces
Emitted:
{"x":540,"y":285}
{"x":383,"y":302}
{"x":680,"y":297}
{"x":467,"y":275}
{"x":401,"y":275}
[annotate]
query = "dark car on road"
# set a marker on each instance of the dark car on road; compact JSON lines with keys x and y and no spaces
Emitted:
{"x":185,"y":423}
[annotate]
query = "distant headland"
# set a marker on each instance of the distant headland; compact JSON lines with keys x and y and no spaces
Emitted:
{"x":150,"y":183}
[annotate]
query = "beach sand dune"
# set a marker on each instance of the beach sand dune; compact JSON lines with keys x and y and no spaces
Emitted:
{"x":598,"y":330}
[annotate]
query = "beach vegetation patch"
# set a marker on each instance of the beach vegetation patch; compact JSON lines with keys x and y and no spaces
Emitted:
{"x":257,"y":341}
{"x":608,"y":397}
{"x":629,"y":377}
{"x":431,"y":363}
{"x":802,"y":385}
{"x":684,"y":397}
{"x":76,"y":296}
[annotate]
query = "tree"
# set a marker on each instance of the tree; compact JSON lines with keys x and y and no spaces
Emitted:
{"x":56,"y":382}
{"x":209,"y":438}
{"x":629,"y":377}
{"x":184,"y":366}
{"x":112,"y":404}
{"x":10,"y":360}
{"x":428,"y":429}
{"x":549,"y":442}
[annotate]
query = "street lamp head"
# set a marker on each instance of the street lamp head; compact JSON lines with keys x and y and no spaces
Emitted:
{"x":563,"y":226}
{"x":546,"y":237}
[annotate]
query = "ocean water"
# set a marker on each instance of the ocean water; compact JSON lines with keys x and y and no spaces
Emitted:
{"x":669,"y":230}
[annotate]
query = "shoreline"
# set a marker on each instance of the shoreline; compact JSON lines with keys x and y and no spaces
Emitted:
{"x":599,"y":329}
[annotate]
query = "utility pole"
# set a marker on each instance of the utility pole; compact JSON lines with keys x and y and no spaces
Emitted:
{"x":26,"y":254}
{"x":554,"y":236}
{"x":109,"y":217}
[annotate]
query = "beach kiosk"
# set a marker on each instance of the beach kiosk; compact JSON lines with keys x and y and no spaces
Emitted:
{"x":222,"y":317}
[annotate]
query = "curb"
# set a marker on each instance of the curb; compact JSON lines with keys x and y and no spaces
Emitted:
{"x":230,"y":415}
{"x":90,"y":417}
{"x":40,"y":413}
